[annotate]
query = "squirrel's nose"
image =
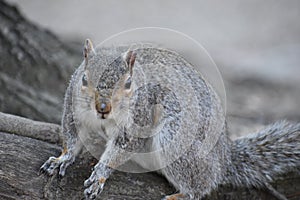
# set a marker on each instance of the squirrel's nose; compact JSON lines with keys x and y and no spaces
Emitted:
{"x":103,"y":107}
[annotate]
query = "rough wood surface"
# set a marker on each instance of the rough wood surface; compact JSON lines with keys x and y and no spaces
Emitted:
{"x":26,"y":127}
{"x":35,"y":67}
{"x":22,"y":156}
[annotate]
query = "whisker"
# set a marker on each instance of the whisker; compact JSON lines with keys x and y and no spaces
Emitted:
{"x":84,"y":98}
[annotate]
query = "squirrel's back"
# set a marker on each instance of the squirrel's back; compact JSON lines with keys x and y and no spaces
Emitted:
{"x":172,"y":102}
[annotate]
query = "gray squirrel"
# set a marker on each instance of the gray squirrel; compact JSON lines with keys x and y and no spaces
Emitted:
{"x":151,"y":99}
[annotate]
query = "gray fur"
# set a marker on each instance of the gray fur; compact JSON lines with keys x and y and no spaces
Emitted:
{"x":259,"y":158}
{"x":172,"y":110}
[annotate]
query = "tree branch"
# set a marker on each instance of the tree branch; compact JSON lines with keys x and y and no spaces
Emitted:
{"x":25,"y":146}
{"x":25,"y":127}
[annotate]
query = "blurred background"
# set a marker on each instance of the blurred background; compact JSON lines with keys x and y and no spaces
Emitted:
{"x":253,"y":36}
{"x":255,"y":44}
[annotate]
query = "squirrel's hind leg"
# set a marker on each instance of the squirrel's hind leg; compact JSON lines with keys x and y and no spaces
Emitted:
{"x":177,"y":196}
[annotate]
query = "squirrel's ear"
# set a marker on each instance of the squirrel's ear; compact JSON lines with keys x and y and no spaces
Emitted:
{"x":129,"y":59}
{"x":88,"y":50}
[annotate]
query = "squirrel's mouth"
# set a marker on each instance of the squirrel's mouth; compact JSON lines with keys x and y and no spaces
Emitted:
{"x":103,"y":115}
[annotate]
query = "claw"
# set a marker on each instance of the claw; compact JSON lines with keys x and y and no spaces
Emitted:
{"x":93,"y":190}
{"x":41,"y":171}
{"x":62,"y":168}
{"x":90,"y":180}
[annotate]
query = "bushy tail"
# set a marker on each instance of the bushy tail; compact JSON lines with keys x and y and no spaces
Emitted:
{"x":259,"y":158}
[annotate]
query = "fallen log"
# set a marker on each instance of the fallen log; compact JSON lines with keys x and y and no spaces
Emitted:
{"x":22,"y":154}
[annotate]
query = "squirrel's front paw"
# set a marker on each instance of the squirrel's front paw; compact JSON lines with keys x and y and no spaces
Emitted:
{"x":53,"y":163}
{"x":95,"y":186}
{"x":50,"y":165}
{"x":96,"y":181}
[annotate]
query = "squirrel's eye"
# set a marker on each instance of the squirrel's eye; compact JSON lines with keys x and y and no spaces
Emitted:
{"x":84,"y":80}
{"x":102,"y":86}
{"x":128,"y":83}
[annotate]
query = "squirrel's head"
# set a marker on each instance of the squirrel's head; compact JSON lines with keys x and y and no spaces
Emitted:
{"x":107,"y":77}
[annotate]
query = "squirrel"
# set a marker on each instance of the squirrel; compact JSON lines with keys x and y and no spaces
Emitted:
{"x":151,"y":99}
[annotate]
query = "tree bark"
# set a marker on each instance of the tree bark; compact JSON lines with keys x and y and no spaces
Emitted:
{"x":35,"y":66}
{"x":22,"y":154}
